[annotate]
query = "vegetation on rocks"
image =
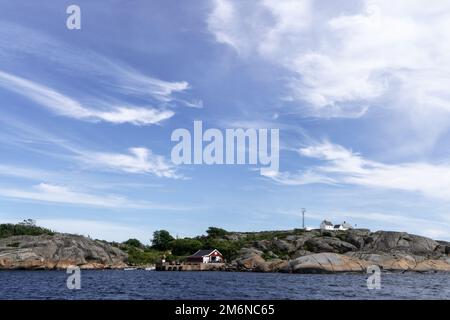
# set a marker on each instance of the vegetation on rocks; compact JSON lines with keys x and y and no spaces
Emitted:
{"x":22,"y":229}
{"x":26,"y":245}
{"x":165,"y":245}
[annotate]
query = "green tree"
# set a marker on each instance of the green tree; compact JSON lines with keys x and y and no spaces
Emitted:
{"x":184,"y":247}
{"x":133,"y":243}
{"x":214,"y":232}
{"x":162,"y":239}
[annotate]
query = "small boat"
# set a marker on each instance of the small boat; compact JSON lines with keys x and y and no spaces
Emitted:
{"x":150,"y":269}
{"x":129,"y":269}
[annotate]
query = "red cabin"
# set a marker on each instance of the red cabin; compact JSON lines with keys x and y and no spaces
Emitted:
{"x":206,"y":256}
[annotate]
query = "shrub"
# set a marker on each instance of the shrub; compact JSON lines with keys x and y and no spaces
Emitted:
{"x":139,"y":257}
{"x":9,"y":230}
{"x":214,"y":232}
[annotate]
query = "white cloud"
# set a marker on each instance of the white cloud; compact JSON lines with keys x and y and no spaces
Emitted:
{"x":62,"y":194}
{"x":133,"y":82}
{"x":140,"y":160}
{"x":44,"y":192}
{"x":83,"y":62}
{"x":24,"y":172}
{"x":298,"y":178}
{"x":65,"y":195}
{"x":258,"y":26}
{"x":342,"y":166}
{"x":66,"y":106}
{"x":345,"y":57}
{"x":137,"y":116}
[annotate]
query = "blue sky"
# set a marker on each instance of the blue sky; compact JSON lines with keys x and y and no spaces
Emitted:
{"x":358,"y":90}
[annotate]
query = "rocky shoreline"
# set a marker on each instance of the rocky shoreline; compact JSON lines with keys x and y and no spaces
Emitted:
{"x":290,"y":252}
{"x":346,"y":251}
{"x":59,"y":251}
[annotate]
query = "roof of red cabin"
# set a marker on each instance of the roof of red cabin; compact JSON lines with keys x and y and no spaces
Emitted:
{"x":202,"y":253}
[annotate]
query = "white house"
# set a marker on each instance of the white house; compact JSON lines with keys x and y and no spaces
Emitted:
{"x":343,"y":227}
{"x":326,"y":225}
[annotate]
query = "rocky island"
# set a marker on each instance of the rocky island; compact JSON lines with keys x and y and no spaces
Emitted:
{"x":58,"y":251}
{"x":290,"y":251}
{"x":345,"y":251}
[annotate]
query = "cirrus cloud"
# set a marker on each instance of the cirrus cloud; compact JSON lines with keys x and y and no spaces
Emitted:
{"x":139,"y":160}
{"x":69,"y":107}
{"x":342,"y":166}
{"x":52,"y":193}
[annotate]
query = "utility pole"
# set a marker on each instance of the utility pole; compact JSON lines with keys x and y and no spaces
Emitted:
{"x":303,"y":217}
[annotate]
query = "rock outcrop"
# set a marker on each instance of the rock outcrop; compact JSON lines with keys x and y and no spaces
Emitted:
{"x":345,"y":251}
{"x":326,"y":263}
{"x":252,"y":260}
{"x":329,"y":244}
{"x":58,"y":251}
{"x":294,"y":251}
{"x":388,"y":241}
{"x":334,"y":263}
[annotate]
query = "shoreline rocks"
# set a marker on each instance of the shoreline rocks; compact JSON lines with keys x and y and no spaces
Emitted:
{"x":346,"y":251}
{"x":313,"y":251}
{"x":326,"y":263}
{"x":58,"y":251}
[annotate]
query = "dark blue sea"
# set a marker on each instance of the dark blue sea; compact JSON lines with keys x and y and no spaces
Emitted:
{"x":141,"y":284}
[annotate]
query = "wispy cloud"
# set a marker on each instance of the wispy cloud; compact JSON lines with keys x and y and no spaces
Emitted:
{"x":52,"y":193}
{"x":83,"y":62}
{"x":298,"y":178}
{"x":75,"y":177}
{"x":343,"y":166}
{"x":44,"y":192}
{"x":139,"y":160}
{"x":69,"y":107}
{"x":24,"y":172}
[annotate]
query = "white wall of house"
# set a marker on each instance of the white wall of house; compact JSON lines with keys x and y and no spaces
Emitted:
{"x":325,"y":226}
{"x":212,"y":258}
{"x":342,"y":228}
